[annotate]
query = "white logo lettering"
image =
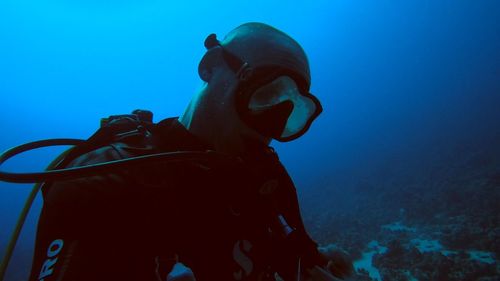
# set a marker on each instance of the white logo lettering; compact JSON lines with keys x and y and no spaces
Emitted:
{"x":243,"y":260}
{"x":48,"y":266}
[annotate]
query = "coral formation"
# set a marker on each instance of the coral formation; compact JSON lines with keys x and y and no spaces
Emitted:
{"x":438,"y":220}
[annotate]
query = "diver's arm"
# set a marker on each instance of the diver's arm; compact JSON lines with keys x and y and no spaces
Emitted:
{"x":287,"y":205}
{"x":306,"y":248}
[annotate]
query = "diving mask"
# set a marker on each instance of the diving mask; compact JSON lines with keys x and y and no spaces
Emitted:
{"x":280,"y":110}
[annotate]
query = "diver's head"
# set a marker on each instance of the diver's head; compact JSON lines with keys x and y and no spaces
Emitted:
{"x":258,"y":81}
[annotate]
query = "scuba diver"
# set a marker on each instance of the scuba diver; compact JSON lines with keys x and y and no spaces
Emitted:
{"x":232,"y":214}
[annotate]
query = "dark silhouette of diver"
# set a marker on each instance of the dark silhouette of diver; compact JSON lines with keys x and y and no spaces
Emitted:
{"x":234,"y":219}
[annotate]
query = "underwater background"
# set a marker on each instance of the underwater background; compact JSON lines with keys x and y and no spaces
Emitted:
{"x":402,"y":169}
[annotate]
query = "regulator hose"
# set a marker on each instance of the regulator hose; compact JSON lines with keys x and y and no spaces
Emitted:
{"x":22,"y":218}
{"x":83,"y":171}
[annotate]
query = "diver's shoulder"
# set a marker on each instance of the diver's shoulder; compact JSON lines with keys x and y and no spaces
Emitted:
{"x":100,"y":155}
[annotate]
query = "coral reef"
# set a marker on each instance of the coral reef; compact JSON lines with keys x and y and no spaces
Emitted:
{"x":438,"y":220}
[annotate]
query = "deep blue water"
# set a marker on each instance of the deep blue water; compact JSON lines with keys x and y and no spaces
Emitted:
{"x":408,"y":87}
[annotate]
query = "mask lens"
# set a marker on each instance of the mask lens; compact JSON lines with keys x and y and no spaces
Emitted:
{"x":281,"y":90}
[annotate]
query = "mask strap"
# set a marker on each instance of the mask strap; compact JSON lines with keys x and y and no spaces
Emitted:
{"x":241,"y":69}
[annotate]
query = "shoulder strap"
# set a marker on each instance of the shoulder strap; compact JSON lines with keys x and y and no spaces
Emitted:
{"x":133,"y":129}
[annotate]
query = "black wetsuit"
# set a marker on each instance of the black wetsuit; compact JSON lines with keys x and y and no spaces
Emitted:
{"x":218,"y":218}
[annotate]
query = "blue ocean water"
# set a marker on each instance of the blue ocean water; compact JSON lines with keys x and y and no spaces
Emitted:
{"x":410,"y":133}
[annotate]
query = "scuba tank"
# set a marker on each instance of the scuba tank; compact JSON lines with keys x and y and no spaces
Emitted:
{"x":127,"y":128}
